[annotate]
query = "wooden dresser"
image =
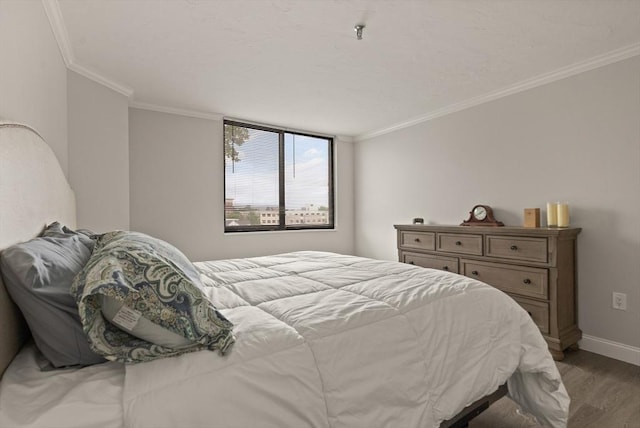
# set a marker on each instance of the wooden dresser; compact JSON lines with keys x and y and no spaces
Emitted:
{"x":535,"y":266}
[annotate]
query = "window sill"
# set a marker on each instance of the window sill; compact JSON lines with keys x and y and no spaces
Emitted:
{"x":278,"y":232}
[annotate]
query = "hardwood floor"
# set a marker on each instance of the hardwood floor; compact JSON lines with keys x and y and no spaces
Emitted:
{"x":605,"y":393}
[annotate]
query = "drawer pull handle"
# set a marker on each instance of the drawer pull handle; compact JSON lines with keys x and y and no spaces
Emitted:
{"x":527,"y":281}
{"x":445,"y":268}
{"x":514,"y":247}
{"x":417,"y":239}
{"x":458,"y":243}
{"x":474,"y":272}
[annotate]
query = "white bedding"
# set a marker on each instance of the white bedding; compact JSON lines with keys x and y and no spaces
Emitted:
{"x":325,"y":340}
{"x":90,"y":397}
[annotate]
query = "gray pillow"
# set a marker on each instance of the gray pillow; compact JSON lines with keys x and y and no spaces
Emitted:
{"x":57,"y":230}
{"x":38,"y":276}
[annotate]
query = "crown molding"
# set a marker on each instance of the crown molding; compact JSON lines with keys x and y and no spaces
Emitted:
{"x":99,"y":78}
{"x":543,"y":79}
{"x":52,"y":10}
{"x":178,"y":111}
{"x":345,"y":138}
{"x":56,"y":20}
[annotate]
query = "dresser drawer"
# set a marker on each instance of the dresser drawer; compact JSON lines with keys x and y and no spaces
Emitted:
{"x":535,"y":266}
{"x":418,"y":240}
{"x":449,"y":264}
{"x":520,"y":280}
{"x":460,"y":243}
{"x":539,"y":312}
{"x":518,"y":248}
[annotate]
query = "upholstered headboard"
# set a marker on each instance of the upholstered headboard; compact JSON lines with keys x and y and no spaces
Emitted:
{"x":33,"y":192}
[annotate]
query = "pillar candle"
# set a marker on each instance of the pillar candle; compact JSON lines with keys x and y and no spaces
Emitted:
{"x":552,"y":214}
{"x":563,"y":215}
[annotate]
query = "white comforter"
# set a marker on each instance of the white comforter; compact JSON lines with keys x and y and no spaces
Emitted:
{"x":326,"y":340}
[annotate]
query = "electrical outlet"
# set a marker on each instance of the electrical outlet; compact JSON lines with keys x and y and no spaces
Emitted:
{"x":619,"y":301}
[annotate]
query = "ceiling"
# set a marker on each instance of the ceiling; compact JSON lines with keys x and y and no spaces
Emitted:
{"x":298,"y":64}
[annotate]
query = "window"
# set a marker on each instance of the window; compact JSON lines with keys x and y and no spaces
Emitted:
{"x":276,"y":179}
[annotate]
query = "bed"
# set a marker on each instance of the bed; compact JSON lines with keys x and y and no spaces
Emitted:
{"x":321,"y":339}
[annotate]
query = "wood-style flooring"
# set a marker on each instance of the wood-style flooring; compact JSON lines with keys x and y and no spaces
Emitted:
{"x":605,"y":393}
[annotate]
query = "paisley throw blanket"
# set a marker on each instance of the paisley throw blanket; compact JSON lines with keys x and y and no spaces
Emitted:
{"x":158,"y":295}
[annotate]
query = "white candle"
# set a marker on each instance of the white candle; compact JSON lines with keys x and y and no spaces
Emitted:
{"x":552,"y":214}
{"x":563,"y":215}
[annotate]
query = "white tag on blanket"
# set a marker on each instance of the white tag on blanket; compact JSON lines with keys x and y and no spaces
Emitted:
{"x":127,"y":318}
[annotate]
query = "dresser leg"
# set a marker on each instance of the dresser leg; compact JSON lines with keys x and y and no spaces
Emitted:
{"x":557,"y":355}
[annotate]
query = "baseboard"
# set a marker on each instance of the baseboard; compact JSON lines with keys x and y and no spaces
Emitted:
{"x":609,"y":348}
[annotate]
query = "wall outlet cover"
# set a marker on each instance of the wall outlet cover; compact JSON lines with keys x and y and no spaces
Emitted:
{"x":619,"y":301}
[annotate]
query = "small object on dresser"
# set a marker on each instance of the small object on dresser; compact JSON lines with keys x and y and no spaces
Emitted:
{"x":563,"y":214}
{"x":532,"y":217}
{"x":552,"y":214}
{"x":418,"y":220}
{"x":481,"y":215}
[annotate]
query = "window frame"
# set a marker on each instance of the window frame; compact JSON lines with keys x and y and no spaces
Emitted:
{"x":281,"y":226}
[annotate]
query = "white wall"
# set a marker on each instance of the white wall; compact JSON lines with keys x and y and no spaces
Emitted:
{"x":177,"y":193}
{"x":33,"y":76}
{"x":98,"y":154}
{"x":576,"y":140}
